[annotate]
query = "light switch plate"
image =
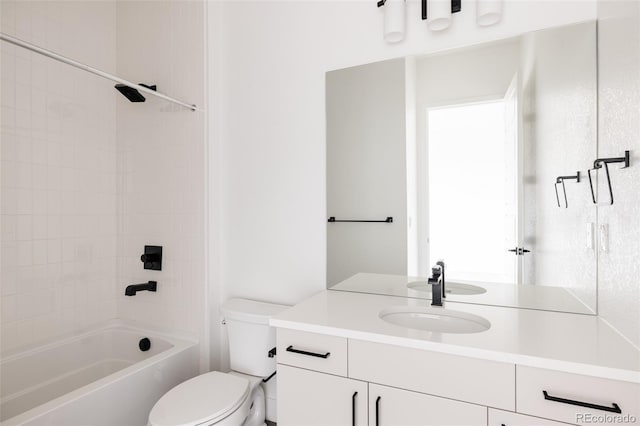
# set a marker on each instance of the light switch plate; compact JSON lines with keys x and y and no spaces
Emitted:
{"x":604,"y":238}
{"x":589,"y":235}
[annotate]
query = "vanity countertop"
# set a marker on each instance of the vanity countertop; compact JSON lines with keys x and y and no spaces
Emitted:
{"x":581,"y":344}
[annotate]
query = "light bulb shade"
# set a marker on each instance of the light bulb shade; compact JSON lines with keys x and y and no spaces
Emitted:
{"x":488,"y":12}
{"x":394,"y":17}
{"x":439,"y":14}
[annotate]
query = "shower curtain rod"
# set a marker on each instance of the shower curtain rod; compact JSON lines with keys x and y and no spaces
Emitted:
{"x":79,"y":65}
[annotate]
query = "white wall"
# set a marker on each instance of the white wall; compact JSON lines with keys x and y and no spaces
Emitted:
{"x":366,"y":157}
{"x":268,"y":87}
{"x":619,"y":130}
{"x":161,"y":166}
{"x":58,"y":155}
{"x":560,"y":117}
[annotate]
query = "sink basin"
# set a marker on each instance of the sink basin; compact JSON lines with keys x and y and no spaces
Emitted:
{"x":439,"y":320}
{"x":450,"y":288}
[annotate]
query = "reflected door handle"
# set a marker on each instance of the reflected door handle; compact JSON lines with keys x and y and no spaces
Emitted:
{"x":519,"y":251}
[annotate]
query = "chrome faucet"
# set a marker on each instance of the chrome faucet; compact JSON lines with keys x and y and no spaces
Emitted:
{"x":437,"y":281}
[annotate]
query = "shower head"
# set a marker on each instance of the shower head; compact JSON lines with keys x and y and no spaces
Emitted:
{"x":132,"y":94}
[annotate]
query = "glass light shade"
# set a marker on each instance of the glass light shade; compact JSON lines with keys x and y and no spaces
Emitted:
{"x":488,"y":12}
{"x":438,"y":14}
{"x":394,"y":17}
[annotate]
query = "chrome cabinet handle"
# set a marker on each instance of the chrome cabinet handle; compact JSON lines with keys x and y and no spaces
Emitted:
{"x":301,"y":352}
{"x":614,"y":409}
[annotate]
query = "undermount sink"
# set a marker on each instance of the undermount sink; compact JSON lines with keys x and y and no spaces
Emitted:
{"x":450,"y":288}
{"x":434,"y":319}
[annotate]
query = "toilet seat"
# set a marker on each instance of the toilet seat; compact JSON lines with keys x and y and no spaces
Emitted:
{"x":204,"y":399}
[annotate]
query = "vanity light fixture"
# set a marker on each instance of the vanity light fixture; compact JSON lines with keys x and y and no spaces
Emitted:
{"x":439,"y":12}
{"x":488,"y":12}
{"x":394,"y":20}
{"x":439,"y":15}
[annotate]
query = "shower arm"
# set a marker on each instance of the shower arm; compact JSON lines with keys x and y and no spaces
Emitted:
{"x":79,"y":65}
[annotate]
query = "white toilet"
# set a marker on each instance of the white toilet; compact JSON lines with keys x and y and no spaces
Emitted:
{"x":235,"y":398}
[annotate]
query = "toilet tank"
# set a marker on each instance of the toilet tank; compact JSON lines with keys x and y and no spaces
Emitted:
{"x":250,"y":337}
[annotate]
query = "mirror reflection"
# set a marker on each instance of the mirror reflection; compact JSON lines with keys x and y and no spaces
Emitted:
{"x":470,"y":156}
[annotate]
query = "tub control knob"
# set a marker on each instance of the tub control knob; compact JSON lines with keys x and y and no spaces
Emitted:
{"x":152,"y":258}
{"x":148,"y":258}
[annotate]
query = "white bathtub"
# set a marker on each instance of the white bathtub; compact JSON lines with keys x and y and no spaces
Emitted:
{"x":98,"y":378}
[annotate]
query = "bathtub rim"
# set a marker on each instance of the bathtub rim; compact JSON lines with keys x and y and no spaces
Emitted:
{"x":179,"y":344}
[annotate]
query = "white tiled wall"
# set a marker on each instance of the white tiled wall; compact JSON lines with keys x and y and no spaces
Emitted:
{"x":89,"y":178}
{"x":58,"y":164}
{"x":161,"y":164}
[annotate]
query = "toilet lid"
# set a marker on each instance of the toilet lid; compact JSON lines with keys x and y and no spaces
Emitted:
{"x":205,"y":398}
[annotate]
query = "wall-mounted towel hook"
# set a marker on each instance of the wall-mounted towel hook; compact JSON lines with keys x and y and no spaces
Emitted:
{"x":604,"y":162}
{"x":560,"y":180}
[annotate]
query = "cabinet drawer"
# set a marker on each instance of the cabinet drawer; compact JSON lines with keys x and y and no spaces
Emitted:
{"x":318,"y":352}
{"x":392,"y":407}
{"x":565,"y":392}
{"x":506,"y":418}
{"x":468,"y":379}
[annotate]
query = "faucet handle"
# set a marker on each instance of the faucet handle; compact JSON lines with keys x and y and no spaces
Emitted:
{"x":436,"y":271}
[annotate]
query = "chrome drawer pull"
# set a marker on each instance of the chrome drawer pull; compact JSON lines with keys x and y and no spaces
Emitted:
{"x":614,"y":409}
{"x":298,"y":351}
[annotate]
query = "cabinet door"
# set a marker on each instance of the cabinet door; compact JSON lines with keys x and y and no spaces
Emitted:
{"x":392,"y":407}
{"x":506,"y":418}
{"x":310,"y":398}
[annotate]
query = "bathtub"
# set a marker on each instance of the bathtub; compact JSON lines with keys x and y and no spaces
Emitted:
{"x":100,"y":377}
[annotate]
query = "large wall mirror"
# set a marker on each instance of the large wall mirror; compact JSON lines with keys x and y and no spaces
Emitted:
{"x":471,"y":156}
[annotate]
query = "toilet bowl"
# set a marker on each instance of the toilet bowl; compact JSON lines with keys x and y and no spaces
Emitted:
{"x":213,"y":398}
{"x":235,"y":398}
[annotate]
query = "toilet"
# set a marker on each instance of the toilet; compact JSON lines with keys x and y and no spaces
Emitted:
{"x":235,"y":398}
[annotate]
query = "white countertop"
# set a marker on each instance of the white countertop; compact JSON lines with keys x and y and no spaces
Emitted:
{"x":523,"y":296}
{"x":581,"y":344}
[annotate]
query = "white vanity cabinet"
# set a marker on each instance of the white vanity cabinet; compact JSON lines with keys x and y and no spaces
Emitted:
{"x":575,"y":398}
{"x":316,"y":386}
{"x":391,"y":407}
{"x":507,"y":418}
{"x":332,"y":380}
{"x":482,"y":382}
{"x":308,"y":397}
{"x":311,"y":398}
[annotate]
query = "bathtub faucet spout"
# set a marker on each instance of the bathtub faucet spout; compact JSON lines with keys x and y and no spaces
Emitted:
{"x":132,"y":289}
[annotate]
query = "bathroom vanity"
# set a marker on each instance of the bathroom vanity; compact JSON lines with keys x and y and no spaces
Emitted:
{"x":491,"y":170}
{"x":340,"y":363}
